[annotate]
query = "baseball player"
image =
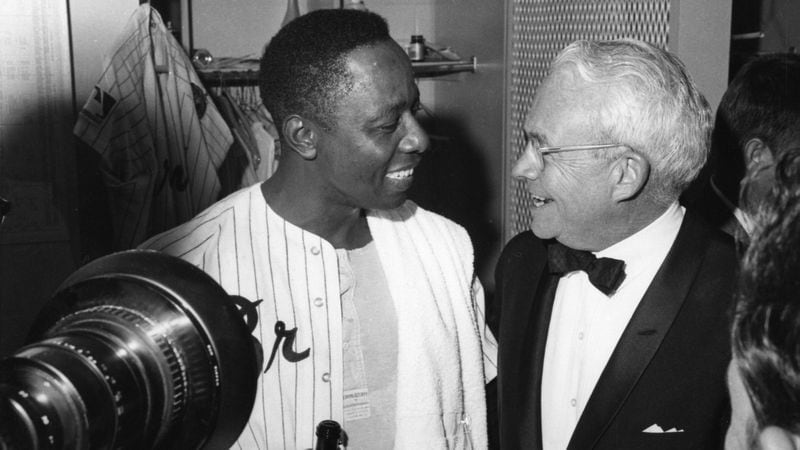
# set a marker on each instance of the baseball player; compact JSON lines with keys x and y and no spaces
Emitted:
{"x":366,"y":305}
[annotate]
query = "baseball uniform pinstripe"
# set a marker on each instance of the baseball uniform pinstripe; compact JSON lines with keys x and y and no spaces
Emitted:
{"x":253,"y":253}
{"x":161,"y":140}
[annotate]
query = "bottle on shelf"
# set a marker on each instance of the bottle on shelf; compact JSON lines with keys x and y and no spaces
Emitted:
{"x":354,"y":4}
{"x":328,"y":435}
{"x":416,"y":49}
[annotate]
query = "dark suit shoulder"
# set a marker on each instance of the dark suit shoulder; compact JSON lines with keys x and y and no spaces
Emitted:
{"x":715,"y":233}
{"x":523,"y":246}
{"x":522,"y":241}
{"x":714,"y":243}
{"x":706,"y":203}
{"x":711,"y":256}
{"x":517,"y":273}
{"x":523,"y":256}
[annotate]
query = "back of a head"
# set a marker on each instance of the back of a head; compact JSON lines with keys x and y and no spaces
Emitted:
{"x":650,"y":103}
{"x":763,"y":101}
{"x":303,"y":68}
{"x":766,"y":332}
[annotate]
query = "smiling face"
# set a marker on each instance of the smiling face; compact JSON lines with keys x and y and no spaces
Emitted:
{"x":571,"y":191}
{"x":369,"y":155}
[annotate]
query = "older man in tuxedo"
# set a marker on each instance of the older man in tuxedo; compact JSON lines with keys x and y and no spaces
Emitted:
{"x":615,"y":305}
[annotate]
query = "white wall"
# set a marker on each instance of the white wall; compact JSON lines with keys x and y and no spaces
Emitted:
{"x":700,"y":34}
{"x":242,"y":27}
{"x":95,"y":24}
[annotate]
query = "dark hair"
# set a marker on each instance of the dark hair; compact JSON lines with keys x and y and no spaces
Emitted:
{"x":303,"y":69}
{"x":762,"y":101}
{"x":766,"y":330}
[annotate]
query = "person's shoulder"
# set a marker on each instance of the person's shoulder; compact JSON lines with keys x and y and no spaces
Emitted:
{"x":209,"y":222}
{"x":410,"y":210}
{"x":523,"y":242}
{"x":524,"y":238}
{"x":714,"y":238}
{"x":705,"y":202}
{"x":715,"y":251}
{"x":521,"y":250}
{"x":520,"y":263}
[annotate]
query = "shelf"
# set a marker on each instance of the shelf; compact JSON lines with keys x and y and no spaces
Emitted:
{"x":444,"y":67}
{"x":244,"y":72}
{"x":229,"y":72}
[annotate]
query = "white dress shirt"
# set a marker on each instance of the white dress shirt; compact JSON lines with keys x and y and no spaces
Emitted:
{"x":586,"y":325}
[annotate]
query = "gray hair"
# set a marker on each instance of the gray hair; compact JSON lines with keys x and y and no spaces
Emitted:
{"x":650,"y":104}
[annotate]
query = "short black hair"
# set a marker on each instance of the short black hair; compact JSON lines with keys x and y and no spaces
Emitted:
{"x":762,"y":101}
{"x":303,"y":68}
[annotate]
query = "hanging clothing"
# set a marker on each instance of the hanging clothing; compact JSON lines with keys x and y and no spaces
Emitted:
{"x":254,"y":157}
{"x":160,"y":138}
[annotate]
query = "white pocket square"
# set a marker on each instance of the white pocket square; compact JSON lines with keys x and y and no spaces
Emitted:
{"x":654,"y":428}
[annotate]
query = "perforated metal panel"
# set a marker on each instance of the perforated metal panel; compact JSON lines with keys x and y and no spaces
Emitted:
{"x":539,"y":29}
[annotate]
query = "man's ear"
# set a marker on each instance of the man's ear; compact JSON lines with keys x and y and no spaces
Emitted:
{"x":776,"y":438}
{"x":757,"y":154}
{"x":301,"y":136}
{"x":629,"y":175}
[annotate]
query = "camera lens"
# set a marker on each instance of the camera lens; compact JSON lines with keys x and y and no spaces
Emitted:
{"x":136,"y":350}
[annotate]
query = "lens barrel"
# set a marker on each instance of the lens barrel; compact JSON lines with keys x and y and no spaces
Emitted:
{"x":136,"y":350}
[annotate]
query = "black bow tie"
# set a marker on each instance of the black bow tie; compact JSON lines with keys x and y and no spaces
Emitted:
{"x":606,"y":274}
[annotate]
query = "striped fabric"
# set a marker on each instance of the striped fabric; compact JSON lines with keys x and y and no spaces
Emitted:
{"x":160,"y":137}
{"x":293,"y":277}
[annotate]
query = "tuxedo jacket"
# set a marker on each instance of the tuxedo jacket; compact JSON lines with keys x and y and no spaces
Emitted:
{"x":709,"y":204}
{"x":668,"y":368}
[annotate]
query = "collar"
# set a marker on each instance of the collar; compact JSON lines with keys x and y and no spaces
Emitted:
{"x":648,"y":244}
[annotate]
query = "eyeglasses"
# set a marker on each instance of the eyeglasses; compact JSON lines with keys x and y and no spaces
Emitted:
{"x":538,"y":153}
{"x":533,"y":156}
{"x":573,"y":148}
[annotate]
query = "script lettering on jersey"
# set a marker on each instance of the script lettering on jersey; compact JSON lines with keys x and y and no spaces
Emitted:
{"x":287,"y":336}
{"x":249,"y":312}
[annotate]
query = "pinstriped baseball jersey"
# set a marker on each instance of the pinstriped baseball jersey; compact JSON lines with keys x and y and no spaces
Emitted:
{"x":293,"y":277}
{"x":160,"y":139}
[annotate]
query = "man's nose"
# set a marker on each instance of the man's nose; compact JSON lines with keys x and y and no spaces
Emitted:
{"x":416,"y":139}
{"x":529,"y":165}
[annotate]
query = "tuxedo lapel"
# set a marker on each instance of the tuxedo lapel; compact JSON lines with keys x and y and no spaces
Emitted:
{"x":528,"y":292}
{"x":643,"y":335}
{"x":533,"y":356}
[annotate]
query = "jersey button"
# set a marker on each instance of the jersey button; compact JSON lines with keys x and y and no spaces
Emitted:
{"x":326,"y":377}
{"x":315,"y":250}
{"x":318,"y":301}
